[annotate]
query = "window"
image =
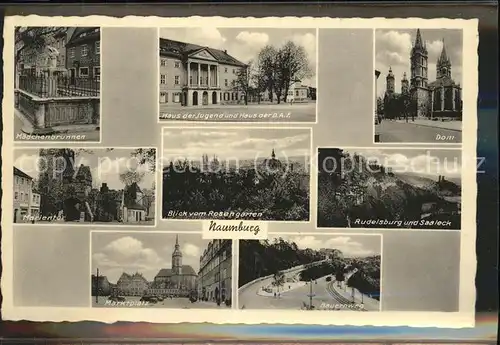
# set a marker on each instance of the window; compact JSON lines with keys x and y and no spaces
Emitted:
{"x":176,"y":80}
{"x":72,"y":52}
{"x":297,"y":93}
{"x":190,"y":80}
{"x":177,"y":64}
{"x":98,"y":47}
{"x":234,"y":71}
{"x":225,"y":82}
{"x":16,"y":195}
{"x":97,"y":73}
{"x":163,"y":62}
{"x":85,"y":50}
{"x":177,"y":97}
{"x":22,"y":196}
{"x":163,"y":97}
{"x":163,"y":79}
{"x":84,"y":72}
{"x":225,"y":69}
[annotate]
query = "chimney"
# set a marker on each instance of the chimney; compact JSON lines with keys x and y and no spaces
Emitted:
{"x":225,"y":51}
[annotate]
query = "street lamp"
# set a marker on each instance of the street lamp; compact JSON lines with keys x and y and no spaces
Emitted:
{"x":310,"y":295}
{"x":97,"y":287}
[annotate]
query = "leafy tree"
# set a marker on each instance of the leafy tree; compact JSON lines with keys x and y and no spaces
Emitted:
{"x":292,"y":65}
{"x":243,"y":80}
{"x":266,"y":72}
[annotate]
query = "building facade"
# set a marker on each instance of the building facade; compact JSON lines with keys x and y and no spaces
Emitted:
{"x":134,"y":210}
{"x":26,"y":200}
{"x":83,"y":53}
{"x":132,"y":284}
{"x":179,"y":280}
{"x":192,"y":75}
{"x":214,"y":277}
{"x":298,"y":93}
{"x":441,"y":98}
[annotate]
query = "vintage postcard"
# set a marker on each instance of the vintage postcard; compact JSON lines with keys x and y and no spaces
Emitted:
{"x":240,"y":170}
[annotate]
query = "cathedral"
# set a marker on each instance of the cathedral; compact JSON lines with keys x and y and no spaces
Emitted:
{"x":180,"y":279}
{"x":420,"y":98}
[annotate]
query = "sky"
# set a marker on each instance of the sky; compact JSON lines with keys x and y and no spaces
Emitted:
{"x":424,"y":162}
{"x":235,"y":143}
{"x":245,"y":43}
{"x":117,"y":252}
{"x":393,"y":49}
{"x":106,"y":166}
{"x":349,"y":245}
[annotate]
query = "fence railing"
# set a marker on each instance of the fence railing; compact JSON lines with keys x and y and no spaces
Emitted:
{"x":60,"y":86}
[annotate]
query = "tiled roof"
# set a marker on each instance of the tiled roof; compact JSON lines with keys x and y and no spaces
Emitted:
{"x":81,"y":35}
{"x":442,"y":82}
{"x":167,"y":272}
{"x":182,"y":50}
{"x":21,"y":173}
{"x":135,"y":206}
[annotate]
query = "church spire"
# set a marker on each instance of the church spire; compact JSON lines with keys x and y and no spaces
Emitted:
{"x":443,"y":66}
{"x":273,"y":155}
{"x":177,"y":240}
{"x":444,"y":56}
{"x":418,"y":40}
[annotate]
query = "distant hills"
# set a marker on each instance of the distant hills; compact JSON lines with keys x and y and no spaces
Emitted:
{"x":382,"y":199}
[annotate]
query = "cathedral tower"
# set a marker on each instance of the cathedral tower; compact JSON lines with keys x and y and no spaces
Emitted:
{"x":405,"y":86}
{"x":443,"y":67}
{"x":390,"y":87}
{"x":420,"y":94}
{"x":418,"y":60}
{"x":177,"y":258}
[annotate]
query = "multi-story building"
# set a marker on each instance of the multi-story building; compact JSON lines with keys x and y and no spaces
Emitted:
{"x":214,"y":277}
{"x":132,"y":284}
{"x":34,"y":59}
{"x":298,"y":93}
{"x":83,"y":51}
{"x":192,"y":75}
{"x":26,"y":201}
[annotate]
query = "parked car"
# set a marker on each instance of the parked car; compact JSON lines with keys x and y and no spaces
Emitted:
{"x":150,"y":299}
{"x":116,"y":298}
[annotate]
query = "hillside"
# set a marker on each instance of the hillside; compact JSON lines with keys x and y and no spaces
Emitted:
{"x":362,"y":197}
{"x":263,"y":258}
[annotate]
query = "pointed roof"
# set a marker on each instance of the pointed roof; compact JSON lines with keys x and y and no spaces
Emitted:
{"x":443,"y":57}
{"x":418,"y":40}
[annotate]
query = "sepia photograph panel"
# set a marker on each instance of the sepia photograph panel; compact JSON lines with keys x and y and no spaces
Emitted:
{"x":57,"y":84}
{"x":390,"y":188}
{"x":160,"y":270}
{"x":418,"y":76}
{"x":236,"y":173}
{"x":237,"y":74}
{"x":323,"y":272}
{"x":78,"y":186}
